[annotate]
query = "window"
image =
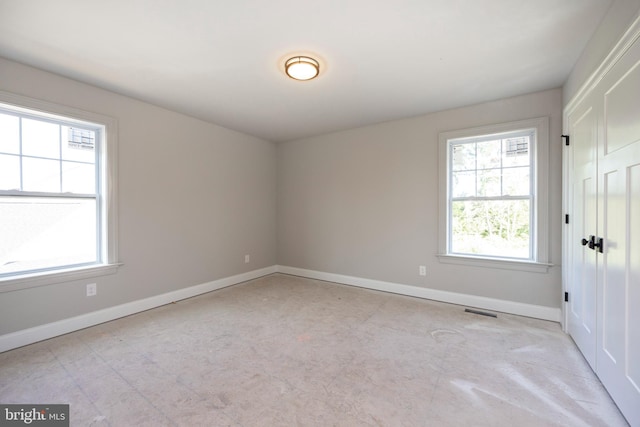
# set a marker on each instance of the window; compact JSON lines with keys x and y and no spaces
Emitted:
{"x":493,"y":200}
{"x":56,"y":193}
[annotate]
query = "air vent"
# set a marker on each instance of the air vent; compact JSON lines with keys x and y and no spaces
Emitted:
{"x":481,"y":313}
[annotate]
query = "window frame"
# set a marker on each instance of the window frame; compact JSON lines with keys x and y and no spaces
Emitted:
{"x":539,"y":225}
{"x":106,"y":198}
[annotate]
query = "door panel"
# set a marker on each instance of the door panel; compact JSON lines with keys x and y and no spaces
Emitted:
{"x":604,"y":184}
{"x":621,"y":111}
{"x":617,"y":356}
{"x":613,"y":266}
{"x":618,"y":333}
{"x":582,"y":303}
{"x":633,"y":299}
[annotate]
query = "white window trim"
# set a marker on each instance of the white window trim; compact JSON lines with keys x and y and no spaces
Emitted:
{"x":109,"y":193}
{"x":541,"y":197}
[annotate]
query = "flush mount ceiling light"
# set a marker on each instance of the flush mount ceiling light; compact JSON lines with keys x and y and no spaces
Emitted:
{"x":302,"y":68}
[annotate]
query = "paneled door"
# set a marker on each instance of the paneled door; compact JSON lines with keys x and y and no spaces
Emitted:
{"x":603,"y":240}
{"x":618,"y":284}
{"x":583,"y":297}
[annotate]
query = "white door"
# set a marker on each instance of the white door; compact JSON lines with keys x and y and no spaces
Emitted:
{"x":582,"y":291}
{"x":603,"y":276}
{"x":618,"y":283}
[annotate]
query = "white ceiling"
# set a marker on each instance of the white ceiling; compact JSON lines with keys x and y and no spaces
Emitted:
{"x":222,"y":60}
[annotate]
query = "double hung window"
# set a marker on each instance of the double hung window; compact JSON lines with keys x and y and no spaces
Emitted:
{"x":494,"y":192}
{"x":54,"y":196}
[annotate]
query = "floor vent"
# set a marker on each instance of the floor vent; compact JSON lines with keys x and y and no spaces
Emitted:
{"x":482,"y":313}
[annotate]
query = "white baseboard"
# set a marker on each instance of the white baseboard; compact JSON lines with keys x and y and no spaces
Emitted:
{"x":503,"y":306}
{"x":50,"y":330}
{"x":61,"y":327}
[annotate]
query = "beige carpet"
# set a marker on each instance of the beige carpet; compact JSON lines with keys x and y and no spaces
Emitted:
{"x":288,"y":351}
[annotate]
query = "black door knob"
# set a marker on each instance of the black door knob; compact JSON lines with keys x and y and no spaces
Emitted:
{"x":599,"y":244}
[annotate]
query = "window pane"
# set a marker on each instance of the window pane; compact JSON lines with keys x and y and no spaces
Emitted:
{"x":46,"y":159}
{"x":489,"y":183}
{"x":491,"y":228}
{"x":463,"y":184}
{"x":43,"y":232}
{"x":41,"y":139}
{"x":515,"y":182}
{"x":40,"y":175}
{"x":78,"y":144}
{"x":463,"y":157}
{"x":78,"y":178}
{"x":489,"y":154}
{"x":9,"y":134}
{"x":515,"y":151}
{"x":9,"y":172}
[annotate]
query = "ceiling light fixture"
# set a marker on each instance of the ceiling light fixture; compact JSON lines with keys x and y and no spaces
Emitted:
{"x":302,"y":68}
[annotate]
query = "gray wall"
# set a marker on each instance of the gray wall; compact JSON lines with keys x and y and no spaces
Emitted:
{"x":364,"y":203}
{"x":619,"y":17}
{"x":194,"y":198}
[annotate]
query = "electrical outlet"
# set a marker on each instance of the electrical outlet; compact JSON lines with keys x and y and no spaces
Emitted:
{"x":247,"y":258}
{"x":423,"y":270}
{"x":92,"y":289}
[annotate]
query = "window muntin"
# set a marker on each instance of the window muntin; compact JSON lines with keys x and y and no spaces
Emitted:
{"x":51,"y":204}
{"x":491,"y":195}
{"x":539,"y":206}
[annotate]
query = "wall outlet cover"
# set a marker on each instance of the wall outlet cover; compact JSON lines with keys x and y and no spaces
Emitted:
{"x":92,"y":289}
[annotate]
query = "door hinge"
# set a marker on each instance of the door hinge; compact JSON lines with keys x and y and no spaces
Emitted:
{"x":566,"y":139}
{"x":566,"y":218}
{"x":566,"y":297}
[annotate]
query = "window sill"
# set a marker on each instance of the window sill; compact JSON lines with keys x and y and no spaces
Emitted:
{"x":25,"y":281}
{"x":534,"y":267}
